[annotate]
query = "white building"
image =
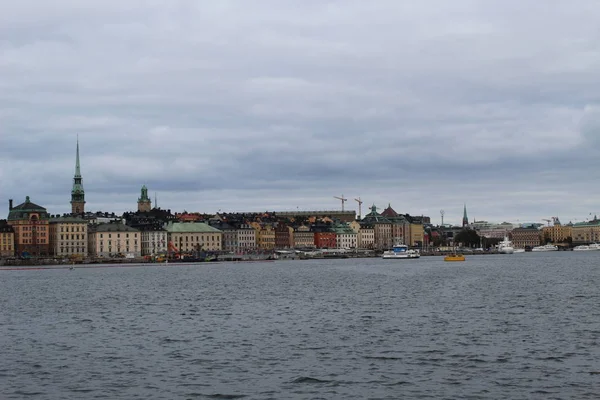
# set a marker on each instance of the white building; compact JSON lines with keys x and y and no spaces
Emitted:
{"x":154,"y":242}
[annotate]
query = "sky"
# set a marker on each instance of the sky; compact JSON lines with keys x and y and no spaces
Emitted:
{"x":282,"y":105}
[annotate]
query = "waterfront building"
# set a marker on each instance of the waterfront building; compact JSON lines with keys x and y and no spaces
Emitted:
{"x":77,"y":192}
{"x":265,"y":235}
{"x":30,"y":223}
{"x":382,"y":228}
{"x":154,"y":240}
{"x":586,"y":232}
{"x":366,"y":237}
{"x":324,"y":236}
{"x":303,"y":237}
{"x":114,"y":239}
{"x":230,"y":235}
{"x":345,"y":238}
{"x":557,"y":233}
{"x":525,"y":237}
{"x":144,"y":202}
{"x":7,"y":239}
{"x":406,"y":229}
{"x":68,"y":236}
{"x":246,"y":236}
{"x":189,"y":237}
{"x":284,"y":236}
{"x":493,"y":231}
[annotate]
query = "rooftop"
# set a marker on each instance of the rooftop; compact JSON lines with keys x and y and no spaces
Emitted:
{"x":190,"y":227}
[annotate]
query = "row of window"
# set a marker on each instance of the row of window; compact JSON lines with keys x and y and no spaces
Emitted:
{"x":31,"y":228}
{"x":118,"y":235}
{"x":117,"y":243}
{"x":73,"y":236}
{"x":73,"y":228}
{"x":72,"y":250}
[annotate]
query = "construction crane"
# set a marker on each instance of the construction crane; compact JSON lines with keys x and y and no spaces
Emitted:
{"x":547,"y":220}
{"x":343,"y":199}
{"x":359,"y":201}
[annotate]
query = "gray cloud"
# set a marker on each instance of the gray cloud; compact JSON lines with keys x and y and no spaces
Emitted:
{"x":278,"y":105}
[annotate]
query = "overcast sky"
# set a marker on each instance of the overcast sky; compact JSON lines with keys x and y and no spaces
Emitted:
{"x":278,"y":105}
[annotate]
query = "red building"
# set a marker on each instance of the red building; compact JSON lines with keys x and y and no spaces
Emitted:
{"x":284,"y":236}
{"x":325,"y":240}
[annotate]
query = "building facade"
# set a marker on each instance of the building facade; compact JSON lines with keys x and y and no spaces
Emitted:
{"x":68,"y":237}
{"x":346,"y":238}
{"x":190,"y":237}
{"x":31,"y":225}
{"x":154,"y":241}
{"x":557,"y":233}
{"x":366,"y":237}
{"x":304,"y":238}
{"x":586,"y":232}
{"x":382,"y":228}
{"x":114,"y":240}
{"x":284,"y":236}
{"x":525,"y":237}
{"x":7,"y":239}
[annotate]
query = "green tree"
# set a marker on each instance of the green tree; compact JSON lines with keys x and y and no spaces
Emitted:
{"x":468,"y":238}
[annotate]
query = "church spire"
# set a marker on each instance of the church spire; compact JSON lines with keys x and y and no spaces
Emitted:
{"x":77,"y":168}
{"x":465,"y":220}
{"x":77,"y":193}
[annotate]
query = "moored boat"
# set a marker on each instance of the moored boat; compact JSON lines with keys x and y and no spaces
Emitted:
{"x":400,"y":251}
{"x":506,"y":246}
{"x":454,"y":257}
{"x":546,"y":247}
{"x":583,"y":247}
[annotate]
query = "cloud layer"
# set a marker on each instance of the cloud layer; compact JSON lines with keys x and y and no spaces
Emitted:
{"x":281,"y":104}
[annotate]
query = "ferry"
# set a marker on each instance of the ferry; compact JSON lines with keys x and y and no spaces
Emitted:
{"x":454,"y":257}
{"x":546,"y":247}
{"x":400,"y":251}
{"x":583,"y":247}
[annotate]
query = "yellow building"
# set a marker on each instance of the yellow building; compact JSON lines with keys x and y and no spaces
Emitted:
{"x":586,"y":232}
{"x":114,"y":239}
{"x":265,"y":235}
{"x":68,"y":237}
{"x":557,"y":233}
{"x":7,"y":240}
{"x":366,"y":237}
{"x":188,"y":237}
{"x":415,"y":234}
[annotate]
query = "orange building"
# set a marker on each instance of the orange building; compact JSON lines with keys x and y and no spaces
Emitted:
{"x":31,"y":225}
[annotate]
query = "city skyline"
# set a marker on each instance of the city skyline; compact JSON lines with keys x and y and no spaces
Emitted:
{"x":274,"y":106}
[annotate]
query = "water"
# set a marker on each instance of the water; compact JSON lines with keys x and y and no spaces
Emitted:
{"x":522,"y":326}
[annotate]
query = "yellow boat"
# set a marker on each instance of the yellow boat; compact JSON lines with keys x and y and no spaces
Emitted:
{"x":454,"y":257}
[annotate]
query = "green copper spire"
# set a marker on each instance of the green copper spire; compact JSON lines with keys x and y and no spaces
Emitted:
{"x":465,"y":220}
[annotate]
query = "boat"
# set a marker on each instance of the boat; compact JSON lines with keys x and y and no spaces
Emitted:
{"x":546,"y":247}
{"x":454,"y":257}
{"x":400,"y":251}
{"x":583,"y":247}
{"x":506,"y":246}
{"x":519,"y":251}
{"x":595,"y":246}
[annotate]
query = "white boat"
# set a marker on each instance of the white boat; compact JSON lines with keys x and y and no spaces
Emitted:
{"x":546,"y":247}
{"x":595,"y":246}
{"x":506,"y":246}
{"x":519,"y":251}
{"x":400,"y":251}
{"x":583,"y":247}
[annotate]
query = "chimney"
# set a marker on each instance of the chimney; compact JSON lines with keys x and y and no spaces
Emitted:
{"x":10,"y":204}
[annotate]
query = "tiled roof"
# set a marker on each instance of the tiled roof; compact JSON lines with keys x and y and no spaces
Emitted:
{"x":112,"y":227}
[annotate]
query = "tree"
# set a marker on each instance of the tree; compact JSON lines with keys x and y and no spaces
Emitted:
{"x":468,"y":238}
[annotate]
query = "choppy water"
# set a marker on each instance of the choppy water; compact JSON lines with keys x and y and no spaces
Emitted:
{"x":522,"y":326}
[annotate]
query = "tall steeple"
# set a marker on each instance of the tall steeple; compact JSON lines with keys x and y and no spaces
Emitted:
{"x":465,"y":220}
{"x":77,"y":193}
